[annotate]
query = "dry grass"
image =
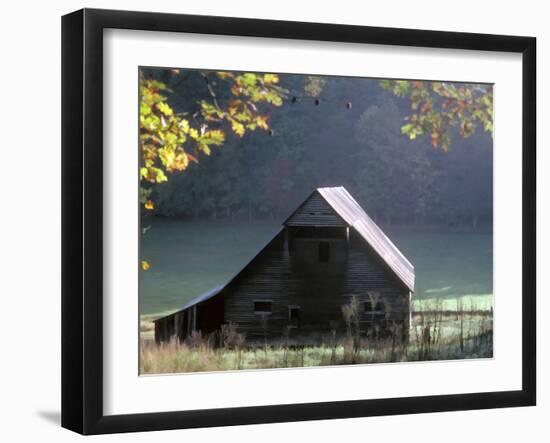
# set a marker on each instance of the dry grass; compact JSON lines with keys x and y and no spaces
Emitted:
{"x":432,"y":336}
{"x":146,"y":330}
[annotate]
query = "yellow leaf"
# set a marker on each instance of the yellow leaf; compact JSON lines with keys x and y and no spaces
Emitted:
{"x":194,"y":133}
{"x":261,"y":121}
{"x":238,"y":128}
{"x":167,"y":157}
{"x":165,"y":109}
{"x":271,"y":78}
{"x":184,"y":124}
{"x":223,"y":75}
{"x":145,"y":265}
{"x":149,"y":205}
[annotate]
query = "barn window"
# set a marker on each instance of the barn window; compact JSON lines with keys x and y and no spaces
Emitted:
{"x":262,"y":307}
{"x":375,"y":311}
{"x":294,"y":316}
{"x":324,"y":251}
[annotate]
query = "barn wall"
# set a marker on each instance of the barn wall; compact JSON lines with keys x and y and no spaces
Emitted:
{"x":165,"y":328}
{"x":315,"y":211}
{"x":267,"y":278}
{"x":288,"y":274}
{"x":210,"y":315}
{"x":365,"y":266}
{"x":320,"y":289}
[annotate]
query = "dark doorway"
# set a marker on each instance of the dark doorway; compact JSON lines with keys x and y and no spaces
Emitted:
{"x":294,"y":316}
{"x":324,"y":251}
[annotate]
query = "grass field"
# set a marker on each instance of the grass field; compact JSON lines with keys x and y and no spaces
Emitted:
{"x":462,"y":335}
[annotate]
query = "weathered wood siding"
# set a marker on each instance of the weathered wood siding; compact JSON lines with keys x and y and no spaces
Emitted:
{"x":368,"y":278}
{"x":267,"y":278}
{"x":205,"y":317}
{"x":315,"y":211}
{"x":320,"y":289}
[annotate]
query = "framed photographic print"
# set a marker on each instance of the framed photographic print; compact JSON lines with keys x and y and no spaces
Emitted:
{"x":273,"y":221}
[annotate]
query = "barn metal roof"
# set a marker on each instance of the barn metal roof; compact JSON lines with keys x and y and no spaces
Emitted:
{"x":195,"y":301}
{"x":354,"y":215}
{"x":203,"y":297}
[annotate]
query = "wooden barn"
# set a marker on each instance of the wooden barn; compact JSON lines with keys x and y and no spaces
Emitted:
{"x":327,"y":252}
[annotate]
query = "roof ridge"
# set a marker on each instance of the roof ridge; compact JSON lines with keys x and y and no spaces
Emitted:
{"x":354,"y":215}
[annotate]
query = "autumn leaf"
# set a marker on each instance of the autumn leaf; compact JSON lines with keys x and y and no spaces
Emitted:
{"x":437,"y":107}
{"x":165,"y":109}
{"x":224,"y":75}
{"x":238,"y":128}
{"x":149,"y":205}
{"x":194,"y":133}
{"x":271,"y":78}
{"x":145,"y":265}
{"x":261,"y":121}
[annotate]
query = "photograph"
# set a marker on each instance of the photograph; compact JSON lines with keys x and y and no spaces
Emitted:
{"x":292,"y":220}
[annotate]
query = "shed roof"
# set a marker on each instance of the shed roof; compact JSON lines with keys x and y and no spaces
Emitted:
{"x":203,"y":297}
{"x":194,"y":301}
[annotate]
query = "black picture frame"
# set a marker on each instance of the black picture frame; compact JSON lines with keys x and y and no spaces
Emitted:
{"x":82,"y":215}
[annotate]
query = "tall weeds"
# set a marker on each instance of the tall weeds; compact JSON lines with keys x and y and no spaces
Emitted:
{"x":433,"y":335}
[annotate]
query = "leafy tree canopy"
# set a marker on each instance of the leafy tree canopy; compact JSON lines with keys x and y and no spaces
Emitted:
{"x":169,"y":141}
{"x":437,"y":107}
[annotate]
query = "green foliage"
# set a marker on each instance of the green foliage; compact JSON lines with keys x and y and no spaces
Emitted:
{"x":169,"y":141}
{"x":437,"y":107}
